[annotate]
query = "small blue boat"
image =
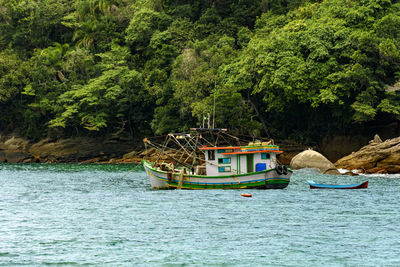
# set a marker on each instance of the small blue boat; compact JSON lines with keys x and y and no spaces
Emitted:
{"x":314,"y":185}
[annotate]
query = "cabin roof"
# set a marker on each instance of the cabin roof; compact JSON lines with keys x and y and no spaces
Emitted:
{"x":252,"y":152}
{"x":221,"y":147}
{"x":245,"y":149}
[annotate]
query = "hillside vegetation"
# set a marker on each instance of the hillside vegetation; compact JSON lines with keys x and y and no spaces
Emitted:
{"x":129,"y":68}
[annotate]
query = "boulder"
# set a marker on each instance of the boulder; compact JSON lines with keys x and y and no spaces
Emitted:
{"x":376,"y":157}
{"x":312,"y":159}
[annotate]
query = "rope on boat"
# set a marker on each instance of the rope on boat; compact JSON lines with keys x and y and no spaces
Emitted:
{"x":164,"y":153}
{"x":183,"y":149}
{"x":158,"y":146}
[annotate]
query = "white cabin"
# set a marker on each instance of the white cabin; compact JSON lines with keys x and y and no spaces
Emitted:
{"x":240,"y":159}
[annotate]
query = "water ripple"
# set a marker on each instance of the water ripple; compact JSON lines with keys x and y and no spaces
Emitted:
{"x":64,"y":214}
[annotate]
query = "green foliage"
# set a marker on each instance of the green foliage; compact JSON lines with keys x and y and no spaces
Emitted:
{"x":98,"y":23}
{"x":12,"y":75}
{"x":323,"y":57}
{"x":106,"y":100}
{"x":30,"y":24}
{"x":143,"y":24}
{"x":390,"y":105}
{"x":295,"y":69}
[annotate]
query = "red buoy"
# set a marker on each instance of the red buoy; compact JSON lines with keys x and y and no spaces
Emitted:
{"x":246,"y":195}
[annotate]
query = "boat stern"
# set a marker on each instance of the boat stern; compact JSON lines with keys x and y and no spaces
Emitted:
{"x":277,"y":178}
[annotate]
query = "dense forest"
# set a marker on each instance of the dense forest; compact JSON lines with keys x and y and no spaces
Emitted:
{"x":128,"y":68}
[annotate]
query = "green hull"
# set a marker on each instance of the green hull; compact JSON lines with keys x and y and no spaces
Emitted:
{"x":268,"y":179}
{"x":277,"y":184}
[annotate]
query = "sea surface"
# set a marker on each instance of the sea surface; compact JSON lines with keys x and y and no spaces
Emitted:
{"x":108,"y":215}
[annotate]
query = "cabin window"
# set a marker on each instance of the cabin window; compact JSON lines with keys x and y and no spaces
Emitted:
{"x":224,"y":169}
{"x":211,"y":154}
{"x":221,"y":150}
{"x":265,"y":156}
{"x":224,"y":161}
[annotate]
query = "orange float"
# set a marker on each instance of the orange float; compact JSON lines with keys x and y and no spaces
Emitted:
{"x":246,"y":195}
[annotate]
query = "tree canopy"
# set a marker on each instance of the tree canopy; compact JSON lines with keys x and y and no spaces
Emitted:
{"x":128,"y":68}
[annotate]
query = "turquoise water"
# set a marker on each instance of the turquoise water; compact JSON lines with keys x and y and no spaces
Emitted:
{"x":102,"y":215}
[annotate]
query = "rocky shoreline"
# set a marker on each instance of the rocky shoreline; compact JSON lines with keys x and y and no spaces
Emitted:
{"x":376,"y":157}
{"x":14,"y":149}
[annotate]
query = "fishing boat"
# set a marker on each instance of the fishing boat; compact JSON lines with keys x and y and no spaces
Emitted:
{"x":314,"y":185}
{"x":197,"y":163}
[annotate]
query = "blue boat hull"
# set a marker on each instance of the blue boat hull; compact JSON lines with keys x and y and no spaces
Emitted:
{"x":333,"y":186}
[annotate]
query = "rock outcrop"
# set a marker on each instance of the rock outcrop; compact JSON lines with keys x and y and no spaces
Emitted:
{"x":79,"y":149}
{"x":376,"y":157}
{"x":376,"y":140}
{"x":312,"y":159}
{"x":13,"y":149}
